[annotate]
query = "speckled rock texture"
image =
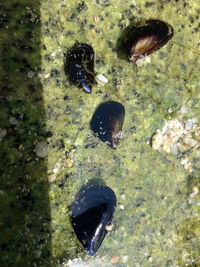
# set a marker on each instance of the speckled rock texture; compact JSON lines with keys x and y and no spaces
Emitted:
{"x":48,"y":150}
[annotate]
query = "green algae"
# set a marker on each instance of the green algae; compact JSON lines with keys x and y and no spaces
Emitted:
{"x":154,"y":225}
{"x":151,"y":188}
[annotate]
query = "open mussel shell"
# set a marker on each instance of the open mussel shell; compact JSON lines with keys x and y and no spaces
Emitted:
{"x":79,"y":66}
{"x":144,"y":40}
{"x":107,"y":122}
{"x":92,"y":212}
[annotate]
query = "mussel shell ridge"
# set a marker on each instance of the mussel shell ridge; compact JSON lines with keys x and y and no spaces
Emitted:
{"x":107,"y":122}
{"x":79,"y":66}
{"x":92,"y":211}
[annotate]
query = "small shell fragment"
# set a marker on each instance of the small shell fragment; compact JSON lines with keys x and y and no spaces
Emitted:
{"x":101,"y":79}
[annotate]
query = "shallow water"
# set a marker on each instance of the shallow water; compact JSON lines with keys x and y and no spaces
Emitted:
{"x":156,"y":222}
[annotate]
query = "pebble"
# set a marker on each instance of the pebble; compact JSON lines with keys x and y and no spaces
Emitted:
{"x":56,"y":52}
{"x":121,"y":207}
{"x":41,"y":149}
{"x":52,"y":177}
{"x":195,"y":191}
{"x":30,"y":74}
{"x":123,"y":196}
{"x":57,"y":167}
{"x":124,"y":259}
{"x":157,"y":140}
{"x":3,"y":133}
{"x":69,"y":162}
{"x":191,"y":123}
{"x":109,"y":227}
{"x":55,"y":170}
{"x":101,"y":79}
{"x":114,"y":259}
{"x":13,"y":121}
{"x":184,"y":110}
{"x":47,"y":75}
{"x":143,"y":61}
{"x":184,"y":160}
{"x":177,"y":136}
{"x":96,"y":19}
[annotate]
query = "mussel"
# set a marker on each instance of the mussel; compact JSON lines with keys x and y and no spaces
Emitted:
{"x":92,"y":212}
{"x":144,"y":40}
{"x":79,"y":66}
{"x":107,"y":122}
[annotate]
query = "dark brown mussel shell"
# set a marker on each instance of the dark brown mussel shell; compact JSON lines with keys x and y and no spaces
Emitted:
{"x":92,"y":212}
{"x":107,"y":122}
{"x":79,"y":66}
{"x":144,"y":40}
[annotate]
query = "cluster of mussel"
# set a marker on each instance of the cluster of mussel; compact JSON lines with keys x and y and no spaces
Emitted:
{"x":93,"y":209}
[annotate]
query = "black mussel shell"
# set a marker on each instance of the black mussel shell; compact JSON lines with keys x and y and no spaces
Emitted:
{"x":79,"y":66}
{"x":144,"y":40}
{"x":107,"y":122}
{"x":92,"y":212}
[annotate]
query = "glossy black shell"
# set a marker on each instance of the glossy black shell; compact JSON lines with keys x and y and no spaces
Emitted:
{"x":79,"y":66}
{"x":92,"y":211}
{"x":143,"y":40}
{"x":107,"y":122}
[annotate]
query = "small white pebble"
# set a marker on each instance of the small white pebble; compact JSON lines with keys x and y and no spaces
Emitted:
{"x":189,"y":124}
{"x":30,"y":74}
{"x":187,"y":166}
{"x":124,"y":259}
{"x":157,"y":140}
{"x":197,"y":133}
{"x":166,"y":147}
{"x":195,"y":120}
{"x":195,"y":192}
{"x":170,"y":110}
{"x":197,"y":153}
{"x":52,"y":178}
{"x":123,"y":196}
{"x":143,"y":61}
{"x":41,"y":149}
{"x":3,"y":133}
{"x":101,"y":79}
{"x":150,"y":259}
{"x":109,"y":227}
{"x":55,"y":170}
{"x":183,"y":161}
{"x":184,"y":110}
{"x":174,"y":149}
{"x":46,"y":75}
{"x":192,"y":142}
{"x":96,"y":19}
{"x":40,"y":75}
{"x":13,"y":120}
{"x":55,"y":52}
